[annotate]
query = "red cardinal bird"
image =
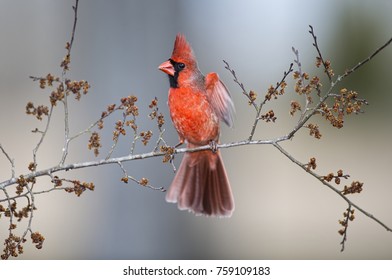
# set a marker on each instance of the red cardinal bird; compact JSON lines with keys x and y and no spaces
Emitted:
{"x":197,"y":104}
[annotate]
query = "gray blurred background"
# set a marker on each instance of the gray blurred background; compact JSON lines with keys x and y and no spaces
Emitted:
{"x":281,"y":212}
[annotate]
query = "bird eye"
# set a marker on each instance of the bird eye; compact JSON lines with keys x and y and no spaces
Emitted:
{"x":181,"y":65}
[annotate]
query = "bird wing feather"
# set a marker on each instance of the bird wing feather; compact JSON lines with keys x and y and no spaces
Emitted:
{"x":220,"y":99}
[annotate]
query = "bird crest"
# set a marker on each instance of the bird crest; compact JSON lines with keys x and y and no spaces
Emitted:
{"x":182,"y":51}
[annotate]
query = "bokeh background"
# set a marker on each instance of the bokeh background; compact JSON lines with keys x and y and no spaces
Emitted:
{"x":281,"y":212}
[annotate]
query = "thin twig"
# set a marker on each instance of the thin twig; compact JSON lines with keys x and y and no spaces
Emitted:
{"x":346,"y":221}
{"x":10,"y":160}
{"x":160,"y":139}
{"x":63,"y":78}
{"x":363,"y":62}
{"x":115,"y":140}
{"x":241,"y":85}
{"x":315,"y":44}
{"x":31,"y":206}
{"x":94,"y":124}
{"x":9,"y":207}
{"x":260,"y":107}
{"x":75,"y":8}
{"x":298,"y":62}
{"x":135,"y":137}
{"x":141,"y":183}
{"x":324,"y":182}
{"x":43,"y":134}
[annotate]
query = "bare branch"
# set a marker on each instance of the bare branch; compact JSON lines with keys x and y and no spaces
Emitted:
{"x":324,"y":182}
{"x":75,"y":8}
{"x":43,"y":134}
{"x":65,"y":64}
{"x":10,"y":160}
{"x":363,"y":62}
{"x":142,"y":182}
{"x":348,"y":215}
{"x":324,"y":62}
{"x":267,"y":98}
{"x":241,"y":85}
{"x":302,"y":82}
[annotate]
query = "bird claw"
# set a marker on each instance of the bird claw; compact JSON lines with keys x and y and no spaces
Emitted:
{"x":214,"y":146}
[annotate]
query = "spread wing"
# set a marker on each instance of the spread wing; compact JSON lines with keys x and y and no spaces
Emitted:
{"x":220,"y":98}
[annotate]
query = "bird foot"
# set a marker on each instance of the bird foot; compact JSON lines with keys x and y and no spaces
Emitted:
{"x":214,"y":146}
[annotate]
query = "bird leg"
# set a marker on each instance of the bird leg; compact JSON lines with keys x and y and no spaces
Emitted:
{"x":179,"y":144}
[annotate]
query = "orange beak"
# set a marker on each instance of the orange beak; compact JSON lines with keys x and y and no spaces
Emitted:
{"x":167,"y":67}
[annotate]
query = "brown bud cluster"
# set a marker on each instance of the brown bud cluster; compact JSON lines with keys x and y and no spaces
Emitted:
{"x":32,"y":166}
{"x":273,"y":92}
{"x":305,"y":85}
{"x":348,"y":215}
{"x":57,"y":181}
{"x":47,"y":81}
{"x":38,"y":112}
{"x":336,"y":121}
{"x":119,"y":129}
{"x":327,"y":65}
{"x":57,"y":95}
{"x":9,"y":210}
{"x":315,"y":83}
{"x":295,"y":106}
{"x":155,"y":114}
{"x":269,"y":116}
{"x":110,"y":109}
{"x":328,"y":68}
{"x":311,"y":164}
{"x":355,"y":187}
{"x":23,"y":213}
{"x":252,"y":97}
{"x":154,"y":103}
{"x":146,"y":136}
{"x":129,"y":104}
{"x":347,"y":102}
{"x":300,"y":86}
{"x":331,"y":176}
{"x":314,"y":130}
{"x":94,"y":143}
{"x":319,"y":62}
{"x":79,"y":187}
{"x":12,"y":246}
{"x":143,"y":182}
{"x":125,"y":179}
{"x":37,"y":239}
{"x":169,"y":152}
{"x":22,"y":183}
{"x":77,"y":87}
{"x":15,"y":212}
{"x":132,"y":124}
{"x":65,"y":62}
{"x":160,"y":120}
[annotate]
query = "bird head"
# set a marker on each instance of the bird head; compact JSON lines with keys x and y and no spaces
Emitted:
{"x":182,"y":65}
